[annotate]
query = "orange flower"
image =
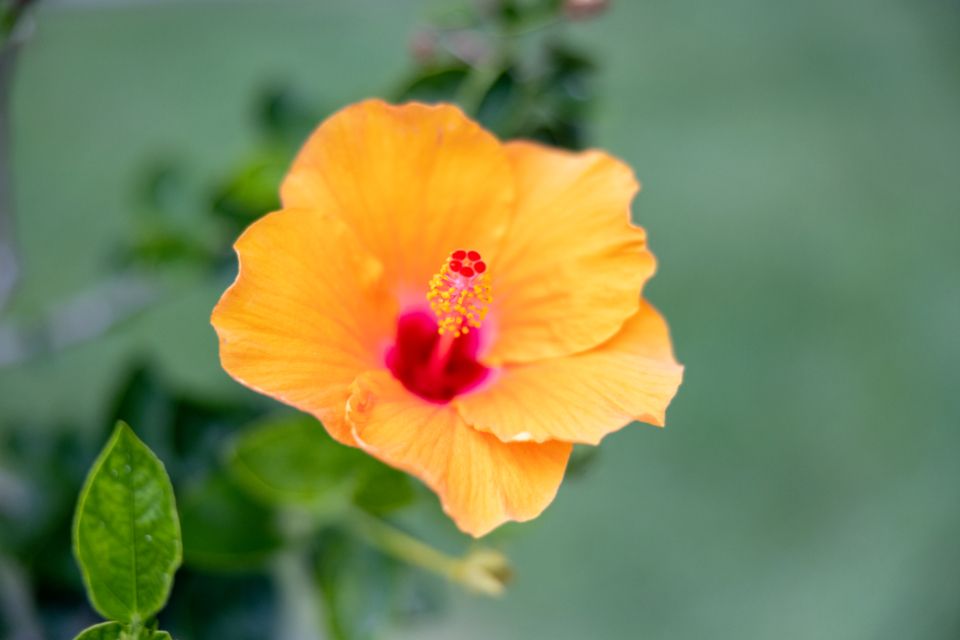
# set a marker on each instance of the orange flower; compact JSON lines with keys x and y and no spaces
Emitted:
{"x":461,"y":309}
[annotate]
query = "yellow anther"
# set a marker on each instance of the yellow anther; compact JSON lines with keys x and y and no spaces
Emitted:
{"x":459,"y":294}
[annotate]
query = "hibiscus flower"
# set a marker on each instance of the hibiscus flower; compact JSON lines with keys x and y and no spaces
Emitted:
{"x":460,"y":308}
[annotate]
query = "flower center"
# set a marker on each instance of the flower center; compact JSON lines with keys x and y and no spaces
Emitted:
{"x":436,"y":357}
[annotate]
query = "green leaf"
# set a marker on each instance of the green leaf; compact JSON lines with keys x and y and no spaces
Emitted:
{"x":292,"y":461}
{"x":286,"y":114}
{"x":435,"y":84}
{"x":126,"y":534}
{"x":381,"y":489}
{"x":251,"y":191}
{"x":225,"y":529}
{"x":116,"y":631}
{"x":581,"y":461}
{"x":502,"y":103}
{"x":102,"y":631}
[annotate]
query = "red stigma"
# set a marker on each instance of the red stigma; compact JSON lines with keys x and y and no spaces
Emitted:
{"x":466,"y":263}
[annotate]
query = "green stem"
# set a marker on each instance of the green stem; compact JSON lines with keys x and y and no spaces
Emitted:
{"x":476,"y":85}
{"x":403,"y":546}
{"x":132,"y":631}
{"x":483,"y":571}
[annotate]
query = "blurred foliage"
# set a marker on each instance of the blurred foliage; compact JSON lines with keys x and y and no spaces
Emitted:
{"x":12,"y":13}
{"x":179,"y":225}
{"x":509,"y":67}
{"x":224,"y":528}
{"x":259,"y":486}
{"x":364,"y":591}
{"x":293,"y":462}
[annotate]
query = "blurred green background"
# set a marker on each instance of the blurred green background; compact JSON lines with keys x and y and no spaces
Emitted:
{"x":800,"y":165}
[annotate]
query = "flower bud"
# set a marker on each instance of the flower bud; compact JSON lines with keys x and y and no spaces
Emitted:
{"x":470,"y":47}
{"x":485,"y":571}
{"x":584,"y":9}
{"x":424,"y":46}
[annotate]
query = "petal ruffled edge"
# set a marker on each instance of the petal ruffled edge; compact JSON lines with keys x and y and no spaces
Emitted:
{"x":306,"y":315}
{"x":481,"y":481}
{"x":572,"y":265}
{"x":584,"y":397}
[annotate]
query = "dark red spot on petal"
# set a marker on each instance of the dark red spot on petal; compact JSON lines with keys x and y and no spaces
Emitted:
{"x":409,"y":360}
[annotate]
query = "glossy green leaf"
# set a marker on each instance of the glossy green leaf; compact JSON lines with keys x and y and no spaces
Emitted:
{"x":126,"y":532}
{"x":102,"y":631}
{"x":116,"y":631}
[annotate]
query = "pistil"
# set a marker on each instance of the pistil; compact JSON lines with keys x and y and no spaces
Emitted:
{"x":459,"y":296}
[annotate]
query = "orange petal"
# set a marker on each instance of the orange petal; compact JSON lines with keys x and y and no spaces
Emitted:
{"x":414,"y":182}
{"x":307,"y":313}
{"x":572,"y":266}
{"x":584,"y":397}
{"x":481,"y":481}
